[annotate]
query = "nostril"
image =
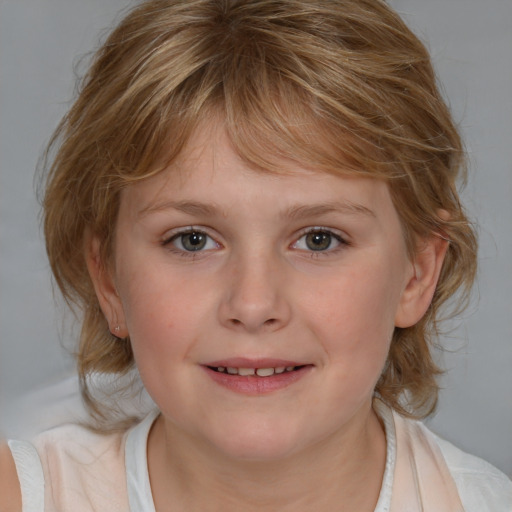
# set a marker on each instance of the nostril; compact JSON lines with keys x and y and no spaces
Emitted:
{"x":269,"y":322}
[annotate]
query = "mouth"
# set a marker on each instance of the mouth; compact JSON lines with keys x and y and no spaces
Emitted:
{"x":256,"y":377}
{"x":258,"y":372}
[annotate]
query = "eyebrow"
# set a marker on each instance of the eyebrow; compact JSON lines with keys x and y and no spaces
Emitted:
{"x":294,"y":212}
{"x":345,"y":207}
{"x":189,"y":207}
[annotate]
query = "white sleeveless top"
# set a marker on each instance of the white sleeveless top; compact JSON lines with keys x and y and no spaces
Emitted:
{"x":73,"y":469}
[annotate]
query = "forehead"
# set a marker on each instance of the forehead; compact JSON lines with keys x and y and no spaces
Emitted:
{"x":209,"y":176}
{"x":214,"y":146}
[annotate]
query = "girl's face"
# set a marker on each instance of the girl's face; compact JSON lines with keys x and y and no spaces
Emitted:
{"x":260,"y":307}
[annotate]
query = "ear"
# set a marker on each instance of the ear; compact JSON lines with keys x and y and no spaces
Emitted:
{"x":105,"y":288}
{"x":421,"y":285}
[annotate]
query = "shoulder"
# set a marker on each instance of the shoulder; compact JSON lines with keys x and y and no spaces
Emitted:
{"x":82,"y":469}
{"x":70,"y":467}
{"x":481,"y":486}
{"x":75,"y":452}
{"x":73,"y":439}
{"x":10,"y":492}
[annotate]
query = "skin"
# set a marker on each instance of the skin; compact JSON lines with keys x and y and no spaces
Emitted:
{"x":10,"y":492}
{"x":258,"y":290}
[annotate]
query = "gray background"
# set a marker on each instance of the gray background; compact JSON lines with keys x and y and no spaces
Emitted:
{"x":471,"y":43}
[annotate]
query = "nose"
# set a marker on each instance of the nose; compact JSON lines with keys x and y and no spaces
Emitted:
{"x":255,"y":295}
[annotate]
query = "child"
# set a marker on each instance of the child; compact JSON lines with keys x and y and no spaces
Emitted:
{"x":254,"y":203}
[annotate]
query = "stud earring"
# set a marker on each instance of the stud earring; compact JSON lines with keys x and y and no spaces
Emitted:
{"x":117,"y":328}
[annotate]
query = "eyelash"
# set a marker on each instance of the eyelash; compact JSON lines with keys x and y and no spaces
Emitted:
{"x":168,"y":242}
{"x":183,"y":252}
{"x":342,"y":242}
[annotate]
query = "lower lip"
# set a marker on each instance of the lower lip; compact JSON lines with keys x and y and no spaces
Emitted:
{"x":253,"y":385}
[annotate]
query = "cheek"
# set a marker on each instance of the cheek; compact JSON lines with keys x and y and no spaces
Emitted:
{"x":164,"y":312}
{"x":150,"y":310}
{"x":153,"y":296}
{"x":155,"y":320}
{"x":359,"y":306}
{"x":354,"y":319}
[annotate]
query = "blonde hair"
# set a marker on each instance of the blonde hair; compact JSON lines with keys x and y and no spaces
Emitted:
{"x":341,"y":86}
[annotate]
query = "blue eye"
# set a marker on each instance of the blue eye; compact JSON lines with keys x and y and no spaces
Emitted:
{"x":192,"y":241}
{"x":318,"y":240}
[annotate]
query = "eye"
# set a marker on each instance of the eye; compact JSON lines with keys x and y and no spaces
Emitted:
{"x":192,"y":241}
{"x":319,"y":240}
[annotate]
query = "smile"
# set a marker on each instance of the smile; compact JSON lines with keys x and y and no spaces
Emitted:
{"x":260,"y":372}
{"x":256,"y":377}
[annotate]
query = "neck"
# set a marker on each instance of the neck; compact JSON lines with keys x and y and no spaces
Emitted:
{"x":342,"y":472}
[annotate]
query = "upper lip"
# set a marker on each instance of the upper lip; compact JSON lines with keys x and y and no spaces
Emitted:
{"x":243,"y":362}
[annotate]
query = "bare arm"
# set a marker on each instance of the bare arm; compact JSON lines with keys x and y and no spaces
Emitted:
{"x":10,"y":492}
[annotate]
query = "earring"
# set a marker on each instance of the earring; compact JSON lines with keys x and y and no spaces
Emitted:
{"x":115,"y":330}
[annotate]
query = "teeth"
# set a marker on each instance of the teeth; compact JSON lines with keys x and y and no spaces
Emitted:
{"x":260,"y":372}
{"x":246,"y":371}
{"x":265,"y":372}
